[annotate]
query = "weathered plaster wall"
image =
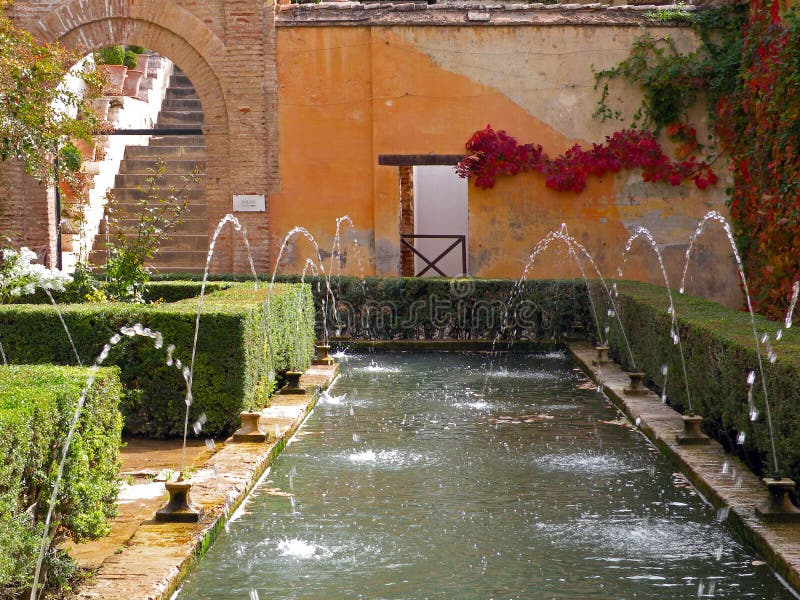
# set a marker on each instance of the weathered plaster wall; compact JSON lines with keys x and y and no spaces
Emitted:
{"x":350,"y":93}
{"x":344,"y":83}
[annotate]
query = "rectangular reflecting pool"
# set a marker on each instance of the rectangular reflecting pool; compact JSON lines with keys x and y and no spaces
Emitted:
{"x":464,"y":476}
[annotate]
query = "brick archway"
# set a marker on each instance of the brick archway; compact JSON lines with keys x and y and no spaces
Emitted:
{"x":226,"y":50}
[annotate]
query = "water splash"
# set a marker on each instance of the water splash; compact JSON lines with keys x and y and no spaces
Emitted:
{"x":290,"y":235}
{"x":576,"y":248}
{"x":337,"y":240}
{"x":189,"y":376}
{"x":297,"y":548}
{"x":716,"y":217}
{"x":792,"y":303}
{"x":644,"y":233}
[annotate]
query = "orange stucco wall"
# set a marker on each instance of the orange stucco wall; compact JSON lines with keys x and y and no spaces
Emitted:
{"x":348,"y":94}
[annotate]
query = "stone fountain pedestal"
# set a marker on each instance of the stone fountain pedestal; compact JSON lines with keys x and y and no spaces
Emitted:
{"x":323,"y":355}
{"x":778,"y":506}
{"x":636,"y":387}
{"x":292,"y":383}
{"x":179,"y":507}
{"x":691,"y":434}
{"x":250,"y":431}
{"x":602,"y":356}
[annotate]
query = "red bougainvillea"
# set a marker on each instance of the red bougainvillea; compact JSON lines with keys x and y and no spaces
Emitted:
{"x":493,"y":153}
{"x":759,"y":125}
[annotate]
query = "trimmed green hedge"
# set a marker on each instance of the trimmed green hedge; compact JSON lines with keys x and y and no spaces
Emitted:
{"x":155,"y":291}
{"x":37,"y":404}
{"x":234,"y":367}
{"x":719,"y":349}
{"x":408,"y":308}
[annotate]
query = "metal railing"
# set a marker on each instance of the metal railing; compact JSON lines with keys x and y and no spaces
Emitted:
{"x":460,"y":240}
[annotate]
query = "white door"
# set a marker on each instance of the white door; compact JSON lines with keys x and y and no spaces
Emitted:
{"x":440,"y":208}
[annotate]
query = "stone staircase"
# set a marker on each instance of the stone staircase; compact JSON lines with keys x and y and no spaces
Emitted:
{"x":186,"y":248}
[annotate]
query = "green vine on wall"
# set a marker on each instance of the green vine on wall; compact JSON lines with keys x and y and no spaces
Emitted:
{"x":747,"y":69}
{"x":671,"y":82}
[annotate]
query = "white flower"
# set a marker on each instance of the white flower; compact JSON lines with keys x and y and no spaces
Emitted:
{"x":19,"y":275}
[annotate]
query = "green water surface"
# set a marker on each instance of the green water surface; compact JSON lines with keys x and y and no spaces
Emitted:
{"x":419,"y":477}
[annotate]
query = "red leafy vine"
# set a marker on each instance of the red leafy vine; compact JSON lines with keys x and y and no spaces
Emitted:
{"x":759,"y":125}
{"x":493,"y":153}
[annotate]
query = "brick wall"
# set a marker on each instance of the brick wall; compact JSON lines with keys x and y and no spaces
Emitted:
{"x":227,"y":49}
{"x":27,"y":212}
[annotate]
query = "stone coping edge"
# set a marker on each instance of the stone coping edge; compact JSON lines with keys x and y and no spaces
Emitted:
{"x":722,"y":480}
{"x":447,"y":345}
{"x":192,"y":541}
{"x":472,"y":14}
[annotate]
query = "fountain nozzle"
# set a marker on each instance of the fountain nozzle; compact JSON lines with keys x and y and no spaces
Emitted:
{"x":691,"y":434}
{"x":250,"y":430}
{"x":636,"y":388}
{"x":602,"y":356}
{"x":292,"y":383}
{"x":778,"y":506}
{"x":179,"y":508}
{"x":323,"y":355}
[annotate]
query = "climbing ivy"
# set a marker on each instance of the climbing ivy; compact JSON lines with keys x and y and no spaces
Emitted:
{"x":747,"y":68}
{"x":671,"y":82}
{"x":759,"y":125}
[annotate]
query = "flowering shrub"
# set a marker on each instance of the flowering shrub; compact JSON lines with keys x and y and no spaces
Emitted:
{"x":20,"y":276}
{"x":759,"y":124}
{"x":494,"y":153}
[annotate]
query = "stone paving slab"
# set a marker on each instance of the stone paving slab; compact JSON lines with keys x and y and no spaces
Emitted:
{"x":723,"y":480}
{"x":154,"y":557}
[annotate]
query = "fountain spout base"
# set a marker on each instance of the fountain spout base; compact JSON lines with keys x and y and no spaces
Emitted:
{"x":602,"y":356}
{"x":250,"y":430}
{"x":691,"y":434}
{"x":323,"y":355}
{"x":778,"y":507}
{"x":636,"y":388}
{"x":292,"y":383}
{"x":179,"y":508}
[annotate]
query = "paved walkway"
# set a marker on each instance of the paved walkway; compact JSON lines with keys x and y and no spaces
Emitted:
{"x":723,"y":480}
{"x":143,"y":559}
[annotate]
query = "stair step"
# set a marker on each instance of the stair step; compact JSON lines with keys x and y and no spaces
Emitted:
{"x":178,"y":77}
{"x":133,"y":180}
{"x":176,"y":258}
{"x":143,"y":166}
{"x":190,"y":225}
{"x":195,"y":195}
{"x":181,"y":104}
{"x":181,"y":92}
{"x":188,"y":262}
{"x":166,"y":126}
{"x":129,"y":212}
{"x":195,"y":153}
{"x":195,"y":242}
{"x":178,"y":140}
{"x":183,"y":118}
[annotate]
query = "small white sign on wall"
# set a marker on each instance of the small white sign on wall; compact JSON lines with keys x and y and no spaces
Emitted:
{"x":249,"y":203}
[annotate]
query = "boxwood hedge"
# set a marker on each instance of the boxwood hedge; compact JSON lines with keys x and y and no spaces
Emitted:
{"x":234,"y":367}
{"x":408,"y":308}
{"x":720,"y":353}
{"x":37,"y":404}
